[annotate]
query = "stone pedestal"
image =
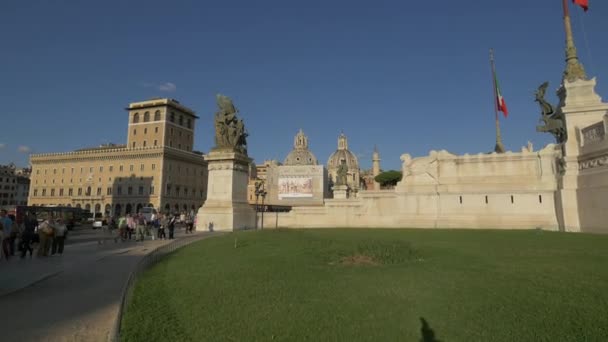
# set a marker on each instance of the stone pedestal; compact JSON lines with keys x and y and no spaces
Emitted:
{"x":341,"y":191}
{"x":581,"y":107}
{"x":226,"y":207}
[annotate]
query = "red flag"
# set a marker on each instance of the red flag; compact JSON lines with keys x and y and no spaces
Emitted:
{"x":583,"y":3}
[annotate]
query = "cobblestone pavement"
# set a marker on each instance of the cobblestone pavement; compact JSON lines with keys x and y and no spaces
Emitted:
{"x":72,"y":297}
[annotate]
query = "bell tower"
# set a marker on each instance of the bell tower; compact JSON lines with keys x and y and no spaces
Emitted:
{"x":376,"y":167}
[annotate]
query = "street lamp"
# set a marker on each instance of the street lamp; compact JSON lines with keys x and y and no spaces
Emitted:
{"x":259,"y":191}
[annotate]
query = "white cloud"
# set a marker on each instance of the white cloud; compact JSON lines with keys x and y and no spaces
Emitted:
{"x":170,"y":87}
{"x":24,"y":149}
{"x":167,"y":86}
{"x":2,"y":146}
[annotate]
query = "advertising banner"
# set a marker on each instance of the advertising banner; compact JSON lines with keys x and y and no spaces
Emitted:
{"x":295,"y":187}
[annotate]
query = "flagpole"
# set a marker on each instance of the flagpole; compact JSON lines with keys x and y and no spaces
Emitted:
{"x":574,"y":69}
{"x":499,"y":147}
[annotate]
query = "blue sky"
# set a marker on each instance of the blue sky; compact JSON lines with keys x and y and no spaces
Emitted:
{"x":407,"y":76}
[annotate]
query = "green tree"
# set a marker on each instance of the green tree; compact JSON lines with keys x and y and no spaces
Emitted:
{"x":388,"y":179}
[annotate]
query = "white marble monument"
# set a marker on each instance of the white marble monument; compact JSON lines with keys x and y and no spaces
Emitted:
{"x":226,"y":207}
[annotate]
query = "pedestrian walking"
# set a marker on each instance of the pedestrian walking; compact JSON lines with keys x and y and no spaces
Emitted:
{"x":141,"y":227}
{"x":122,"y":227}
{"x":171,"y":226}
{"x":163,"y":224}
{"x":61,"y":232}
{"x":27,"y":236}
{"x":189,"y":224}
{"x":45,"y":236}
{"x":7,"y":225}
{"x":130,"y":225}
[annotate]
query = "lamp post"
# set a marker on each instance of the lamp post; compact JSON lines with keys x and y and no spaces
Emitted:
{"x":259,"y":191}
{"x":263,"y":197}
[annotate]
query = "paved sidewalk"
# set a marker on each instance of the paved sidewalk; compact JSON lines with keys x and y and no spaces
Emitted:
{"x":73,"y":297}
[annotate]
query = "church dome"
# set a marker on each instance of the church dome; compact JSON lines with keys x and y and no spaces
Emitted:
{"x":343,"y":153}
{"x":335,"y":159}
{"x":300,"y":155}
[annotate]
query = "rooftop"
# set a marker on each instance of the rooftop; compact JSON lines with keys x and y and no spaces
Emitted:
{"x":156,"y":102}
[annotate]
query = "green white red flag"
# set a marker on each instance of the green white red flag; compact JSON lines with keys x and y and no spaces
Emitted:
{"x":583,"y":3}
{"x":501,"y":105}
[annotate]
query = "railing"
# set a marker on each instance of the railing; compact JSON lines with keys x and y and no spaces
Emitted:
{"x":144,"y":264}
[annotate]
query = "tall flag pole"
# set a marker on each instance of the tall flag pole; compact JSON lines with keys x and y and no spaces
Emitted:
{"x":499,"y":105}
{"x":574,"y":69}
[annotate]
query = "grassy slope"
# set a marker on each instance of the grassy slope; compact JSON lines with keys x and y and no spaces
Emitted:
{"x":468,"y":285}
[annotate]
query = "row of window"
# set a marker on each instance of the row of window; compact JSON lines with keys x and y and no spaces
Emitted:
{"x":179,"y":133}
{"x":540,"y":199}
{"x":146,"y":118}
{"x":88,"y":191}
{"x":91,"y":169}
{"x":120,"y":169}
{"x":145,"y":144}
{"x":120,"y":209}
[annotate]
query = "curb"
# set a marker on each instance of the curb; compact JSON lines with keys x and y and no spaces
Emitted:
{"x":145,"y":263}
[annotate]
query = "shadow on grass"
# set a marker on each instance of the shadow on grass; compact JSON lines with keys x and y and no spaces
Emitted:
{"x":428,"y":334}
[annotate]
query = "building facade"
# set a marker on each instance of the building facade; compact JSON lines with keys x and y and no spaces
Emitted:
{"x":157,"y":167}
{"x":14,"y":186}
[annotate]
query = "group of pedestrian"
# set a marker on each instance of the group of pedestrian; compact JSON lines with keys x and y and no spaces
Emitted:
{"x":154,"y":227}
{"x":50,"y":235}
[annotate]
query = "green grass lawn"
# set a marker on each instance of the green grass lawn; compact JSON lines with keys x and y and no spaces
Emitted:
{"x":376,"y":285}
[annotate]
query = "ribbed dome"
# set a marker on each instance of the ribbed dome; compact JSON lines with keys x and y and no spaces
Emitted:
{"x":349,"y":158}
{"x":300,"y":155}
{"x":336,"y":159}
{"x":342,"y":153}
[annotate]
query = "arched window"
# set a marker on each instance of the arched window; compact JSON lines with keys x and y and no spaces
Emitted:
{"x":146,"y":116}
{"x":136,"y":118}
{"x":172,"y":118}
{"x":181,"y":120}
{"x":157,"y":115}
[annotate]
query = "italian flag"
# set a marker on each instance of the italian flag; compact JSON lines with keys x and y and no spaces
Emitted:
{"x":501,"y":105}
{"x":583,"y":3}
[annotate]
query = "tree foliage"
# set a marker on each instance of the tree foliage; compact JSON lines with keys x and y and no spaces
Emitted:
{"x":389,"y":179}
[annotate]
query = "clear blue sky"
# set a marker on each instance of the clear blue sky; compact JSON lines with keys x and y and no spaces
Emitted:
{"x":408,"y":76}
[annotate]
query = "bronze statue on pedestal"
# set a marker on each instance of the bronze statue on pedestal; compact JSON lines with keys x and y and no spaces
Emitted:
{"x":230,"y":132}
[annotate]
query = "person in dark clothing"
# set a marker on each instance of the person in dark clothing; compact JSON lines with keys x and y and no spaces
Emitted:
{"x":171,"y":227}
{"x":29,"y":231}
